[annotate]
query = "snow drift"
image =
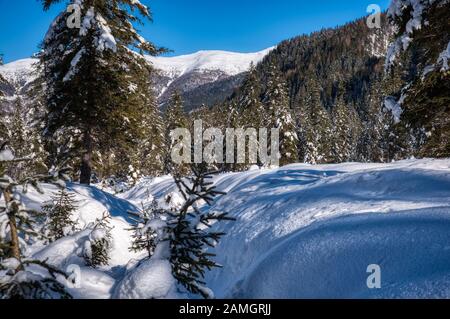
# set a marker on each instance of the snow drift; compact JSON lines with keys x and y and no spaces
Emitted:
{"x":302,"y":231}
{"x":297,"y":233}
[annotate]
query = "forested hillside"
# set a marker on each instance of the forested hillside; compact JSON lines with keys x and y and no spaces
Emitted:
{"x":350,"y":103}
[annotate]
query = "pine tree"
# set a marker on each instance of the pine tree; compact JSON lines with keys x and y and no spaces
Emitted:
{"x":20,"y":140}
{"x":144,"y":237}
{"x":97,"y":248}
{"x":17,"y":224}
{"x":152,"y":146}
{"x":276,"y":101}
{"x":190,"y":234}
{"x":175,"y":118}
{"x":249,"y":103}
{"x":103,"y":86}
{"x":421,"y":65}
{"x":59,"y":213}
{"x":182,"y":236}
{"x":346,"y":129}
{"x":316,"y":125}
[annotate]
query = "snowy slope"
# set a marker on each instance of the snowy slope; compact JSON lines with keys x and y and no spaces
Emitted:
{"x":19,"y":72}
{"x":230,"y":63}
{"x":330,"y":259}
{"x":301,"y":231}
{"x":91,"y":204}
{"x":290,"y":239}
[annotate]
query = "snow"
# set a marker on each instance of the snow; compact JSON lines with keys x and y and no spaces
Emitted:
{"x":443,"y":58}
{"x":394,"y":107}
{"x":73,"y":65}
{"x":231,"y":63}
{"x":10,"y":263}
{"x":415,"y":22}
{"x":87,"y":22}
{"x":152,"y":279}
{"x":19,"y":72}
{"x":105,"y":41}
{"x":330,"y":259}
{"x":300,"y":231}
{"x":275,"y":207}
{"x":6,"y":155}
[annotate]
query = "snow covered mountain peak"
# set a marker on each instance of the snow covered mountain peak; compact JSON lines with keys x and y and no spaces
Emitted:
{"x":231,"y":63}
{"x":205,"y":77}
{"x":19,"y":72}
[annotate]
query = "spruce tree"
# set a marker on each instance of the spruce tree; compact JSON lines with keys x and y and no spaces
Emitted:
{"x":184,"y":236}
{"x":189,"y":231}
{"x":419,"y":56}
{"x":316,"y":125}
{"x":276,"y":101}
{"x":346,"y":129}
{"x":249,"y":103}
{"x":144,"y":237}
{"x":175,"y":118}
{"x":18,"y":277}
{"x":59,"y":215}
{"x":97,"y":247}
{"x":98,"y":89}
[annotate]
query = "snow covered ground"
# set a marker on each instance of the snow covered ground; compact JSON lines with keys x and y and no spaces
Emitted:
{"x":301,"y":231}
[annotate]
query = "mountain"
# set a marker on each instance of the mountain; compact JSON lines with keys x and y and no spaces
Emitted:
{"x":335,"y":82}
{"x":205,"y":77}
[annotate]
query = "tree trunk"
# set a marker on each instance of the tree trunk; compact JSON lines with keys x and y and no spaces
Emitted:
{"x":15,"y":245}
{"x":86,"y":160}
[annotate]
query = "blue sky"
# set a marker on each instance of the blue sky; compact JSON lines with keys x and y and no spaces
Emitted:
{"x":186,"y":26}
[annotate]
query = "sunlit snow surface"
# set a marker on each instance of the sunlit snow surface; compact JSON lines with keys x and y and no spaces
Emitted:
{"x":231,"y":63}
{"x":301,"y":231}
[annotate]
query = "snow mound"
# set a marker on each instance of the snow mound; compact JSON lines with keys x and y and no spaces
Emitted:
{"x":330,"y":259}
{"x":312,"y":230}
{"x":151,"y":279}
{"x":277,"y":204}
{"x":301,"y":231}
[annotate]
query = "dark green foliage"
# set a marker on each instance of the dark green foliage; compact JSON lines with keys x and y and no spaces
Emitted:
{"x":97,"y":248}
{"x":276,"y":101}
{"x":58,"y":214}
{"x":425,"y":122}
{"x":190,"y":234}
{"x":330,"y":76}
{"x":144,"y":237}
{"x":17,"y":226}
{"x":174,"y":118}
{"x":315,"y":125}
{"x":109,"y":108}
{"x":24,"y":140}
{"x":13,"y":285}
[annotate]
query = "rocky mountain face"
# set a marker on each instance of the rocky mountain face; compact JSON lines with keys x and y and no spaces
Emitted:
{"x":202,"y":78}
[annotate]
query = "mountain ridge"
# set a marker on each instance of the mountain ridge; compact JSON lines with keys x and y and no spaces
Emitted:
{"x":189,"y":74}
